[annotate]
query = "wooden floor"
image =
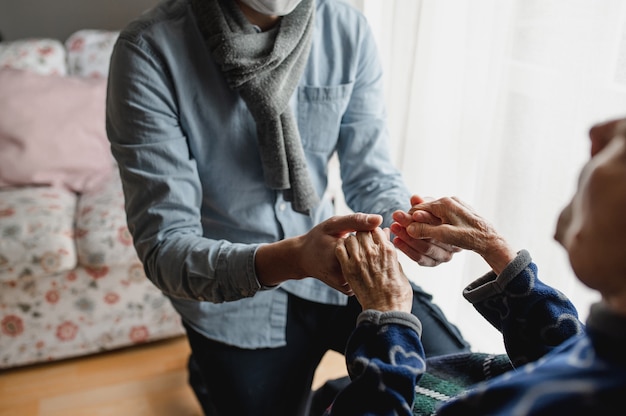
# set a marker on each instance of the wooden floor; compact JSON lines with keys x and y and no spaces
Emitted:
{"x":143,"y":380}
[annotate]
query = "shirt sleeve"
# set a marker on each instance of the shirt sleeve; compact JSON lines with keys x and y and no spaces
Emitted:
{"x":162,"y":189}
{"x":385,"y":359}
{"x":533,"y":317}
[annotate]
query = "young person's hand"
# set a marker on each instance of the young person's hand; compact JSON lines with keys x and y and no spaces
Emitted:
{"x":312,"y":254}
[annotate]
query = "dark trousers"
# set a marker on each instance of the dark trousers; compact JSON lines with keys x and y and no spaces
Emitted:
{"x":277,"y":381}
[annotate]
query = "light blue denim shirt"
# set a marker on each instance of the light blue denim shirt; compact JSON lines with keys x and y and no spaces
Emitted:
{"x":186,"y":147}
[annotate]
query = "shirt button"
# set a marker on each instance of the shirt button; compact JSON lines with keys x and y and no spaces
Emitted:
{"x":282,"y":206}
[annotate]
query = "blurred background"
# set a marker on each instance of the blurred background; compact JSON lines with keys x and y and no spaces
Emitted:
{"x":491,"y":101}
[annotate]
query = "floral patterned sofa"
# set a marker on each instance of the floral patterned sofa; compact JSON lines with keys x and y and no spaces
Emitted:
{"x":70,"y":281}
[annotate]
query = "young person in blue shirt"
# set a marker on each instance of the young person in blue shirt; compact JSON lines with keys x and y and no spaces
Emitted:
{"x":561,"y":365}
{"x":223,"y":116}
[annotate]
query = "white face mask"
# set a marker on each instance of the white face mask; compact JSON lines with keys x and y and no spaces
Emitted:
{"x":272,"y":7}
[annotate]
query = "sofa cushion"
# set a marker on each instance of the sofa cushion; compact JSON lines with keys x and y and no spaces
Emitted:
{"x":36,"y":232}
{"x":89,"y":52}
{"x":76,"y":313}
{"x":42,"y":56}
{"x":102,"y":236}
{"x":52,"y":131}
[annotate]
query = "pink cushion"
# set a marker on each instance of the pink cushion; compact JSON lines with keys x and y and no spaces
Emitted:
{"x":52,"y":131}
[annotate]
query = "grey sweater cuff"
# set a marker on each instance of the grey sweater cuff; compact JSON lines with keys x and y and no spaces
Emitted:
{"x":392,"y":317}
{"x":490,"y":285}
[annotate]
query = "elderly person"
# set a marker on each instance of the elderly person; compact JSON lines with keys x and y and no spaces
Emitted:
{"x":562,"y":365}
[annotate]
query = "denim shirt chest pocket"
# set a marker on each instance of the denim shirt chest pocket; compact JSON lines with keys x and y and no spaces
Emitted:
{"x":319,"y":112}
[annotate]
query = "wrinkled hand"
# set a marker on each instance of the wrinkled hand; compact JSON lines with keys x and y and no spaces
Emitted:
{"x":318,"y":247}
{"x":370,"y":265}
{"x":459,"y":225}
{"x":425,"y":251}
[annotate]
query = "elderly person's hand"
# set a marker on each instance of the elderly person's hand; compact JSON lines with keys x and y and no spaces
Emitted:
{"x":369,"y":263}
{"x":424,"y":251}
{"x":452,"y":221}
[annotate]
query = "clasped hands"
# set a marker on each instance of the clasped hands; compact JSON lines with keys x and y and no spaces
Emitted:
{"x":429,"y":233}
{"x":365,"y":229}
{"x":369,"y":262}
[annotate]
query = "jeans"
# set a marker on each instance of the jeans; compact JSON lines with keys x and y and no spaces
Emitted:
{"x":277,"y":381}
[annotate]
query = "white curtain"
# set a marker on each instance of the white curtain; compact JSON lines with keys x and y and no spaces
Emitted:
{"x":491,"y":101}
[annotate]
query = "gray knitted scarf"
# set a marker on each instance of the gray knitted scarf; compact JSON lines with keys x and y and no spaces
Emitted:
{"x":265,"y":69}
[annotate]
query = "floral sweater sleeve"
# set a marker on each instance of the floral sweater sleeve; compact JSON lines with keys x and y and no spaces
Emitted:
{"x":385,"y":358}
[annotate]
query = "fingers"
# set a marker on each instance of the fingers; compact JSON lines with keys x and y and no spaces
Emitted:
{"x":346,"y":251}
{"x":402,"y":218}
{"x":426,"y":217}
{"x":342,"y":224}
{"x":369,"y":263}
{"x":416,"y":200}
{"x":340,"y":251}
{"x":360,"y":245}
{"x":335,"y":229}
{"x":425,"y":251}
{"x":401,"y":231}
{"x":377,"y":236}
{"x":446,"y":247}
{"x":420,"y":230}
{"x":413,"y":253}
{"x":343,"y":257}
{"x":436,"y":211}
